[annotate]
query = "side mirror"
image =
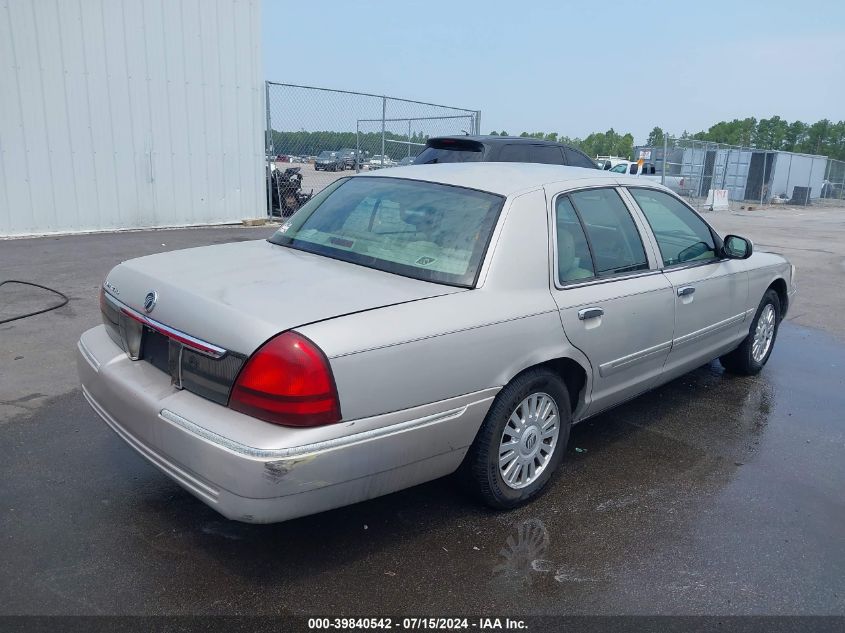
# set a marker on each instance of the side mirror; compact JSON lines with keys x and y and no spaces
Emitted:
{"x":736,"y":247}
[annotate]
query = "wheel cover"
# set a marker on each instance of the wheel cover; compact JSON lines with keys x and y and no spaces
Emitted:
{"x":764,"y":333}
{"x":529,"y":440}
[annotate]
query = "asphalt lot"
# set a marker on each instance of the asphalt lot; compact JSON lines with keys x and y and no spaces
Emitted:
{"x":711,"y":495}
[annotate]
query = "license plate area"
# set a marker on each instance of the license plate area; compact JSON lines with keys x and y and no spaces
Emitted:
{"x":156,"y":350}
{"x":207,"y":377}
{"x":163,"y":353}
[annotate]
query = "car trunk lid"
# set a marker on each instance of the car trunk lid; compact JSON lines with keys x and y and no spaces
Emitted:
{"x":236,"y":296}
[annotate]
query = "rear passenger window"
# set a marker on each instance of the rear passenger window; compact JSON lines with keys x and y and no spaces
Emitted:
{"x":578,"y":159}
{"x":547,"y":154}
{"x":613,"y":237}
{"x":573,"y":253}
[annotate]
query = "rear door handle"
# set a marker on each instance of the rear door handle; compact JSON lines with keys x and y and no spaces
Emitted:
{"x":589,"y":313}
{"x":685,"y":290}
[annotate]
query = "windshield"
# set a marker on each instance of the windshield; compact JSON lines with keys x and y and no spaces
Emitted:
{"x":417,"y":229}
{"x":326,"y":155}
{"x":620,"y":169}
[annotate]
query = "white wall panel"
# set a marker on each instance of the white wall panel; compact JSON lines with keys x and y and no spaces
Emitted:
{"x":129,"y":114}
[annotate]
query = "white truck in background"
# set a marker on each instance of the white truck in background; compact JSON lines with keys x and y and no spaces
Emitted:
{"x":676,"y":183}
{"x":607,"y":162}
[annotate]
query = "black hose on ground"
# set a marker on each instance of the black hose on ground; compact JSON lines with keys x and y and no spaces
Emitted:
{"x":29,"y":314}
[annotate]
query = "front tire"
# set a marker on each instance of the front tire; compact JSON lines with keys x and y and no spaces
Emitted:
{"x":756,"y":348}
{"x":521,"y":441}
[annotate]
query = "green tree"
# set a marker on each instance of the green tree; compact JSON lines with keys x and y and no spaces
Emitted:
{"x":796,"y":134}
{"x":770,"y":133}
{"x":655,"y":137}
{"x":817,"y":137}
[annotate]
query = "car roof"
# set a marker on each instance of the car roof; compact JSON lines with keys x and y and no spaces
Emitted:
{"x":498,"y":140}
{"x":508,"y":179}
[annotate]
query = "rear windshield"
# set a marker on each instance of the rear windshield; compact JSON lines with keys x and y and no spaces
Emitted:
{"x":450,"y":151}
{"x":416,"y":229}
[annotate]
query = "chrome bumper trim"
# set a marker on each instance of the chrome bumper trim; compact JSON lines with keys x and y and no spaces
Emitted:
{"x":88,"y":355}
{"x":201,"y":489}
{"x":192,"y":342}
{"x":306,"y":449}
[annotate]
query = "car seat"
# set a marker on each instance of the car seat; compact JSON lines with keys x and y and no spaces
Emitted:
{"x":568,"y":264}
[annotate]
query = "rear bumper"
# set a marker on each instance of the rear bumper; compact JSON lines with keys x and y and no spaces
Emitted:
{"x":257,"y":472}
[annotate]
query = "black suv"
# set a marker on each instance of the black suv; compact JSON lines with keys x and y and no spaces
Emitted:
{"x":350,"y":157}
{"x":501,"y":149}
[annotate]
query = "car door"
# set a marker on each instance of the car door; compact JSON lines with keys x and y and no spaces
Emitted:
{"x":710,"y":292}
{"x":614,"y":303}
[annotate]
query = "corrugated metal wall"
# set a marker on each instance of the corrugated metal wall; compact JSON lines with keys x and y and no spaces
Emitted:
{"x":798,"y":170}
{"x":129,"y":113}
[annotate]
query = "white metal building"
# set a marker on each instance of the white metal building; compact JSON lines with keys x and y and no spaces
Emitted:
{"x":120,"y":114}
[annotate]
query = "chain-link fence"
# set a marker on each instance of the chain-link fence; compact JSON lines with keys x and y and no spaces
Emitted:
{"x":314,"y":135}
{"x":833,"y":185}
{"x":714,"y":175}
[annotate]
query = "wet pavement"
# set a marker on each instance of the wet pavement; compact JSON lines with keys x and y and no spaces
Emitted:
{"x":714,"y":494}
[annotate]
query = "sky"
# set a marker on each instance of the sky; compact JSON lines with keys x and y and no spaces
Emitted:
{"x":572,"y":67}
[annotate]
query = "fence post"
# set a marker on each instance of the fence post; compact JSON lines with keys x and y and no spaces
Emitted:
{"x":665,"y":158}
{"x":763,"y":178}
{"x":357,"y":147}
{"x":810,"y":181}
{"x":478,"y":122}
{"x":383,"y":117}
{"x":788,"y":176}
{"x":701,"y":176}
{"x":269,"y":151}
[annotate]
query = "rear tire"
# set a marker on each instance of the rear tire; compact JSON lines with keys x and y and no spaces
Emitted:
{"x":756,"y":348}
{"x":527,"y":427}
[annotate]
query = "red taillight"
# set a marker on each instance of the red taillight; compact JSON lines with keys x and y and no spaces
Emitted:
{"x":287,"y":381}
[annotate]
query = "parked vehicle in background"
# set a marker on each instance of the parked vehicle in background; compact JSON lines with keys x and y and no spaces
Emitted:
{"x":329,"y":161}
{"x":408,"y":160}
{"x":501,"y":149}
{"x":608,"y":162}
{"x":832,"y":190}
{"x":350,"y":158}
{"x":378,"y":161}
{"x":407,"y":323}
{"x":678,"y":184}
